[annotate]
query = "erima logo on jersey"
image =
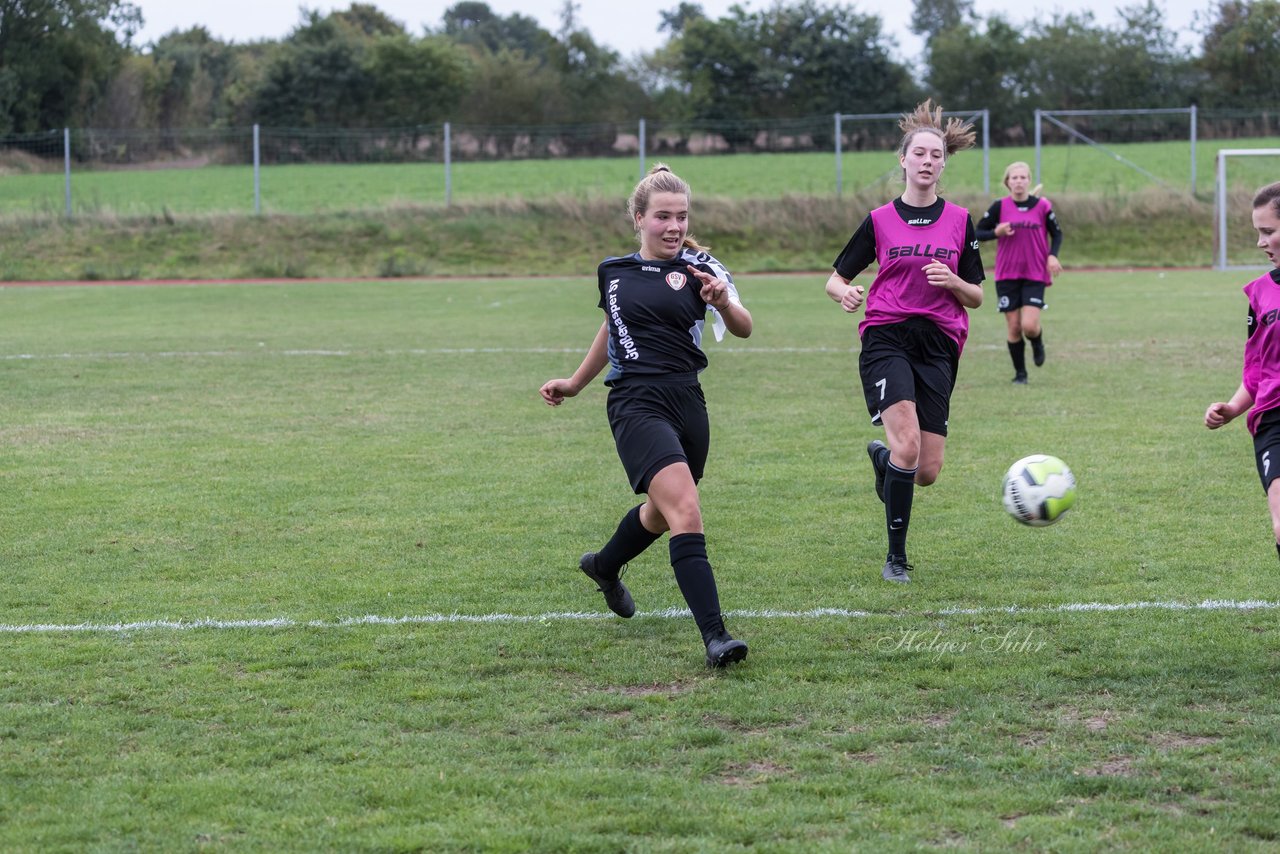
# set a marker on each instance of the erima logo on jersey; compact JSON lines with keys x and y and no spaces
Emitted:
{"x":648,"y":269}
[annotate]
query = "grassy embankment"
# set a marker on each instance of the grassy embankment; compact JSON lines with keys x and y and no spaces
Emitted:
{"x":556,"y":237}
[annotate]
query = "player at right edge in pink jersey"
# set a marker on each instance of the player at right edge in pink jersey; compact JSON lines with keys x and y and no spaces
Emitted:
{"x":1259,"y":391}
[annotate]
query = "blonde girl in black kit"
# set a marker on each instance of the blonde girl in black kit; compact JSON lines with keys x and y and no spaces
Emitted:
{"x":655,"y":303}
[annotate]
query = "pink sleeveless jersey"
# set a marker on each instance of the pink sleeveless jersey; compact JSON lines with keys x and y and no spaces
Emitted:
{"x":1262,"y":351}
{"x":901,"y":290}
{"x":1025,"y":253}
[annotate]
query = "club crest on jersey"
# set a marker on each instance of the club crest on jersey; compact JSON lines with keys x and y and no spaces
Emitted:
{"x":676,"y":280}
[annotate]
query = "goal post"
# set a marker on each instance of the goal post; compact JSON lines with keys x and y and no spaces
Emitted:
{"x":883,"y":126}
{"x":1074,"y":134}
{"x":1222,"y":201}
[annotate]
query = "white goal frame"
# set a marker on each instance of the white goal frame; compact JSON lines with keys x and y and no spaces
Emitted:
{"x":1050,"y":117}
{"x":1220,"y":202}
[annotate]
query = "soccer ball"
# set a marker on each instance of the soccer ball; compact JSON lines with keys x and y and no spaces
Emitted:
{"x":1038,"y":490}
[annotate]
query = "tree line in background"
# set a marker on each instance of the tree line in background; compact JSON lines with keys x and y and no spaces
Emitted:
{"x":74,"y":63}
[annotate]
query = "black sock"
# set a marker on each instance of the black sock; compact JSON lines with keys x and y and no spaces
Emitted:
{"x":697,"y":582}
{"x":1037,"y":349}
{"x":627,"y":543}
{"x":1278,"y":548}
{"x":882,"y":456}
{"x":1018,"y":352}
{"x":899,"y":490}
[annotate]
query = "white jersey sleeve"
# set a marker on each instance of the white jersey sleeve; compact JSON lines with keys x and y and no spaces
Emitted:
{"x":706,"y":259}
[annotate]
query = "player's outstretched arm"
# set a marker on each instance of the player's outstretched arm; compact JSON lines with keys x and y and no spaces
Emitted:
{"x":1224,"y":412}
{"x":555,"y":391}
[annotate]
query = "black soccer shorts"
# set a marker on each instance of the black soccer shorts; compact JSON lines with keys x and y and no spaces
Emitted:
{"x":657,"y":425}
{"x":1013,"y":294}
{"x":1266,"y":448}
{"x":912,"y":360}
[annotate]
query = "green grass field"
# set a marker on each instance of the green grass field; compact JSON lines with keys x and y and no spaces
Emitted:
{"x":1076,"y":169}
{"x":293,"y":567}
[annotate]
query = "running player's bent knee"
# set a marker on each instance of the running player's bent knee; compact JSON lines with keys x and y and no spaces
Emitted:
{"x":684,"y":518}
{"x":905,"y":454}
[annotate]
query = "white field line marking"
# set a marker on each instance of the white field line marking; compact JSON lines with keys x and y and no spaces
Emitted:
{"x":222,"y":354}
{"x":467,"y":351}
{"x":663,"y":614}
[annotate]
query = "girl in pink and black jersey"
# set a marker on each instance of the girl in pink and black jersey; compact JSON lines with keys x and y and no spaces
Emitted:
{"x":1028,"y":239}
{"x":1259,"y":391}
{"x":916,"y":319}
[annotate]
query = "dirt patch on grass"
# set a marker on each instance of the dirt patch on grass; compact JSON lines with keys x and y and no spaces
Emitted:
{"x":1179,"y":741}
{"x":1112,"y":766}
{"x":671,"y":688}
{"x":1070,"y":716}
{"x":866,"y":757}
{"x":729,"y":725}
{"x":748,"y":774}
{"x":940,"y":720}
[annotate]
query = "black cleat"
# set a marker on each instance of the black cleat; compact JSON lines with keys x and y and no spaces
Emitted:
{"x":1020,"y":379}
{"x":873,"y":451}
{"x":723,"y":650}
{"x":896,"y":569}
{"x":1037,"y":350}
{"x":616,"y":594}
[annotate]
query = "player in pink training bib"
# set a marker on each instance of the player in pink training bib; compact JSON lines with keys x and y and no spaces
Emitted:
{"x":916,"y":318}
{"x":1028,"y":239}
{"x":1259,"y":391}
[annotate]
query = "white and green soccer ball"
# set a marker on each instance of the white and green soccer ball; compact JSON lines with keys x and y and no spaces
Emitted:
{"x":1038,"y":490}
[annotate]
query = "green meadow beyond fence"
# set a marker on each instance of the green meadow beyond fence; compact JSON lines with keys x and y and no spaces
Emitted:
{"x":255,"y":170}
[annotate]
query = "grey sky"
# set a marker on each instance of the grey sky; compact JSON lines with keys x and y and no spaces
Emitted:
{"x":627,"y":27}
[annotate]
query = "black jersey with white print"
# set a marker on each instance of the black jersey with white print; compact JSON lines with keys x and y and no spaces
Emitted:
{"x":655,"y":316}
